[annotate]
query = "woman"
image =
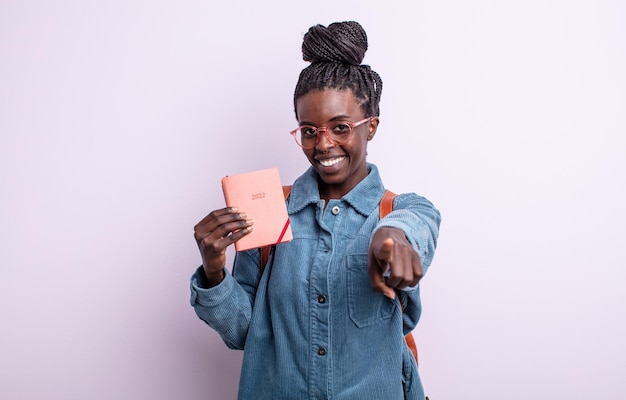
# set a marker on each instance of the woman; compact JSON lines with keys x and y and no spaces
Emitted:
{"x":326,"y":318}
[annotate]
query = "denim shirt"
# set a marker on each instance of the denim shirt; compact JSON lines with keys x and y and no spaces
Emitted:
{"x":310,"y":325}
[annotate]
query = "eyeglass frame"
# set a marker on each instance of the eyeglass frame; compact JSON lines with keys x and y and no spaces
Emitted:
{"x":351,"y":124}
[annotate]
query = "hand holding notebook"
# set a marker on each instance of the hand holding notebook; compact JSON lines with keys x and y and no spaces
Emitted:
{"x":260,"y":195}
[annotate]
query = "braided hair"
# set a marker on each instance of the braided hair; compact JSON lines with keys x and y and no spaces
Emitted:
{"x":335,"y":53}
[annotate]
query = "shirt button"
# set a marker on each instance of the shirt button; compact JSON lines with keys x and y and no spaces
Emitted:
{"x":321,"y":351}
{"x":335,"y":210}
{"x":321,"y":299}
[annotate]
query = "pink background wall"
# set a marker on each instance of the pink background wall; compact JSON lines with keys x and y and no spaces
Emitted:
{"x":118,"y":118}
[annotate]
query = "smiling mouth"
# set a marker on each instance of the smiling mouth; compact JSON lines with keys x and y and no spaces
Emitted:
{"x":332,"y":161}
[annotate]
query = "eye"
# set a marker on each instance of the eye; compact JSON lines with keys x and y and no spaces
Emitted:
{"x":308,"y":131}
{"x":341,"y":129}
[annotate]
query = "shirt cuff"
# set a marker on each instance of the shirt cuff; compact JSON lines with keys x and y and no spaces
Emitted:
{"x":210,"y":296}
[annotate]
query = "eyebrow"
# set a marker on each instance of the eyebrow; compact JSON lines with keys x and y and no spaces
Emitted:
{"x":335,"y":118}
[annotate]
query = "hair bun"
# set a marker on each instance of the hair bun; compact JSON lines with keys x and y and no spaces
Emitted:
{"x":340,"y":42}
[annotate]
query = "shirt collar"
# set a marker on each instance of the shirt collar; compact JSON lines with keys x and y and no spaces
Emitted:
{"x":364,"y":197}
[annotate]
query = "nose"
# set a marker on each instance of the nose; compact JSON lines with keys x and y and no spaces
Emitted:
{"x":324,"y":142}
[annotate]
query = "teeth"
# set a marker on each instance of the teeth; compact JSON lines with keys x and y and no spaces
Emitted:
{"x":331,"y":162}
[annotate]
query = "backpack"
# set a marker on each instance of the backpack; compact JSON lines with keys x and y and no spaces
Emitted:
{"x":386,"y":206}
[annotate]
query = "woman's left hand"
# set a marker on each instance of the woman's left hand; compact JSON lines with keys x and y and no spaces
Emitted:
{"x":391,"y":251}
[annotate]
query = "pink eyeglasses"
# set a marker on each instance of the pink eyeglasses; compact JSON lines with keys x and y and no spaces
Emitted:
{"x":338,"y":132}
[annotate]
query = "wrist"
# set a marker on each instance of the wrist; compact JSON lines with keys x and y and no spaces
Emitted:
{"x":213,"y":278}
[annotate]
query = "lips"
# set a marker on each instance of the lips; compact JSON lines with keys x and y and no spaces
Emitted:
{"x":329,"y":162}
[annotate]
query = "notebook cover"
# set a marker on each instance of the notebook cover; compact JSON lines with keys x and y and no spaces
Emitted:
{"x":260,"y":195}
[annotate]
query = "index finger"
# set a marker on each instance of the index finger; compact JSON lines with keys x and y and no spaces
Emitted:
{"x":216,"y":213}
{"x":379,"y":265}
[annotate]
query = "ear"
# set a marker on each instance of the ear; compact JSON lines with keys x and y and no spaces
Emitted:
{"x":372,"y":126}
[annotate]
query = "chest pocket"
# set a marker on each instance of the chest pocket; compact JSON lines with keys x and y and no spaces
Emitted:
{"x":366,"y":307}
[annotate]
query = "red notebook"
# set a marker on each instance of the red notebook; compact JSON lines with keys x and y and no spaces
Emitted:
{"x":260,"y":195}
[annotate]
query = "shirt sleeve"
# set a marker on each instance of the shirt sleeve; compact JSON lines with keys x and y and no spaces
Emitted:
{"x":419,"y":220}
{"x":227,"y":307}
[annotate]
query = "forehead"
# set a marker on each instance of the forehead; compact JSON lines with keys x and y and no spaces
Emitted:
{"x":326,"y":104}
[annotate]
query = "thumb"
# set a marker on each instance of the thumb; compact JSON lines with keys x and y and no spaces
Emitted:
{"x":385,"y":252}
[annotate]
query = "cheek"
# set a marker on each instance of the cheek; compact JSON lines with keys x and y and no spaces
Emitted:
{"x":359,"y":148}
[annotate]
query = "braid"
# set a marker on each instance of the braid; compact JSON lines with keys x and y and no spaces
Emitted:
{"x":336,"y":53}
